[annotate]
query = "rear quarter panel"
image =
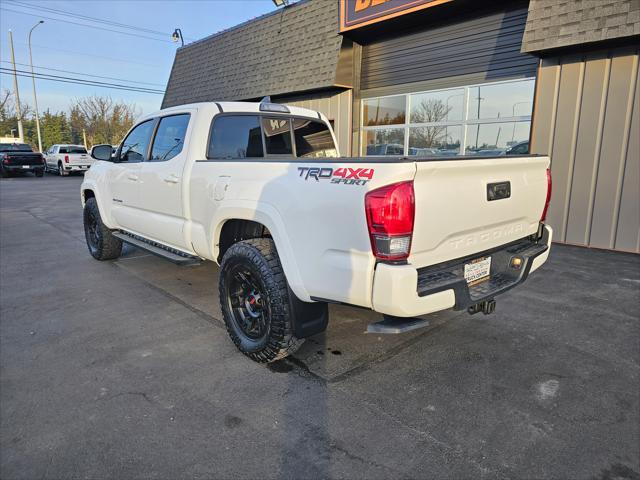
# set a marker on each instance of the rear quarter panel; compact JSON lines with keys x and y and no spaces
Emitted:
{"x":319,"y":227}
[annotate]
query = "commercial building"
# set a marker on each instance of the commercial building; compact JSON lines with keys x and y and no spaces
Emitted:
{"x":450,"y":77}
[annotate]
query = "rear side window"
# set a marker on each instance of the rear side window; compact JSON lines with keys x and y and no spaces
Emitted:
{"x":170,"y":137}
{"x":235,"y":136}
{"x":313,"y":139}
{"x":277,"y":136}
{"x":134,"y":147}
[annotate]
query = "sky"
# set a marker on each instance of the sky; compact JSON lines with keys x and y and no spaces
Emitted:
{"x":80,"y":45}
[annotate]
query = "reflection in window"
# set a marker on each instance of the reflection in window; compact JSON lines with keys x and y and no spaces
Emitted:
{"x":313,"y":139}
{"x":277,"y":135}
{"x":235,"y":137}
{"x":513,"y":99}
{"x":384,"y":111}
{"x":134,"y":147}
{"x":443,"y":106}
{"x":170,"y":137}
{"x":440,"y":123}
{"x":495,"y":138}
{"x":387,"y":141}
{"x":437,"y":140}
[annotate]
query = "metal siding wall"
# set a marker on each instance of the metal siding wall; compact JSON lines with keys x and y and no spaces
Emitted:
{"x":489,"y":45}
{"x":586,"y":118}
{"x":336,"y":106}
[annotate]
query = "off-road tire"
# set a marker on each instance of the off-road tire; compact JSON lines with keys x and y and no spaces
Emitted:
{"x":104,"y":246}
{"x":259,"y":255}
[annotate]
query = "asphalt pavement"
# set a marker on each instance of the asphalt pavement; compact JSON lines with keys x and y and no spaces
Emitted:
{"x":123,"y":369}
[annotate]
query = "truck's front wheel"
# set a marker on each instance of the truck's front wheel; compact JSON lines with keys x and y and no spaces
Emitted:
{"x":102,"y":244}
{"x":255,"y":301}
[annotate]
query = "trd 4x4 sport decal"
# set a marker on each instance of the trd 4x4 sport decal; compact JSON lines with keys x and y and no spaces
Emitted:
{"x":347,"y":176}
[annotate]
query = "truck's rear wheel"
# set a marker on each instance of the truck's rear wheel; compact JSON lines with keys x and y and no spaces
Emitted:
{"x":61,"y":171}
{"x":255,"y":301}
{"x":102,"y":244}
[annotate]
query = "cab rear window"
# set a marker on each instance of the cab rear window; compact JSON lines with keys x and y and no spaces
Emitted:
{"x":72,"y":149}
{"x":313,"y":139}
{"x":235,"y":137}
{"x":253,"y":136}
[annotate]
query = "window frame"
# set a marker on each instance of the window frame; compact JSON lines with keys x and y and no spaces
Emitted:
{"x":465,"y":123}
{"x":158,"y":120}
{"x":265,"y":155}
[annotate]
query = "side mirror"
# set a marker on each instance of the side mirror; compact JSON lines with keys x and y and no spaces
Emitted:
{"x":102,"y":152}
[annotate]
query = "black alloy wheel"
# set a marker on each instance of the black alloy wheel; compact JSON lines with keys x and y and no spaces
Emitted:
{"x":92,"y":230}
{"x":247,"y":302}
{"x":254,"y":299}
{"x":100,"y":240}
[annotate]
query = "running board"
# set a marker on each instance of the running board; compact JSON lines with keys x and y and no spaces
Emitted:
{"x":168,"y":253}
{"x":397,"y":325}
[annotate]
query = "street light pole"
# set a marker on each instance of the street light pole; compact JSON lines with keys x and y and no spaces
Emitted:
{"x":177,"y":35}
{"x":15,"y":87}
{"x":513,"y":114}
{"x":33,"y":78}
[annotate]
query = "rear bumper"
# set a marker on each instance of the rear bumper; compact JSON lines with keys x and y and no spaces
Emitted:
{"x":76,"y":168}
{"x":23,"y":168}
{"x":404,"y":291}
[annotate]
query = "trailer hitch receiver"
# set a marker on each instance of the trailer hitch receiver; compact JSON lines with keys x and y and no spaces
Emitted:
{"x":487,"y":307}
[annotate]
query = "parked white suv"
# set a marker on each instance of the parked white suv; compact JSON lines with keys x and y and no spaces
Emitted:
{"x":65,"y":159}
{"x":259,"y":189}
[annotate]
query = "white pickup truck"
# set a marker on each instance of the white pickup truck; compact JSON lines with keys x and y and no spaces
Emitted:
{"x":259,"y":188}
{"x":64,"y":159}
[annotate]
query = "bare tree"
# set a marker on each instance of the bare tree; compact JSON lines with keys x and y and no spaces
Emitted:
{"x":429,"y":111}
{"x":4,"y":98}
{"x":103,"y":119}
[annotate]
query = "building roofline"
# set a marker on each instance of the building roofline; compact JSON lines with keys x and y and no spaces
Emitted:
{"x":243,"y":24}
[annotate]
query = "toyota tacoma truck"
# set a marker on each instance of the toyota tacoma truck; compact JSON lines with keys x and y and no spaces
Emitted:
{"x":20,"y":158}
{"x":259,"y":188}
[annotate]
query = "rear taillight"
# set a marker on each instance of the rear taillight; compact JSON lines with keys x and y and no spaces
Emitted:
{"x":66,"y":159}
{"x":390,"y":213}
{"x":543,"y":217}
{"x":5,"y":158}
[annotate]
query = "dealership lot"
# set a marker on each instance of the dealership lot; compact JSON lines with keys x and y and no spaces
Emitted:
{"x":124,"y":369}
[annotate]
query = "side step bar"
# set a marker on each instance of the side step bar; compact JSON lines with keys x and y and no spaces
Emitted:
{"x":396,"y":325}
{"x":168,"y":253}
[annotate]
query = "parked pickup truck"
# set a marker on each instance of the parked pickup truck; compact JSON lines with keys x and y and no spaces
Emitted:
{"x":20,"y":158}
{"x":259,"y":188}
{"x":64,"y":159}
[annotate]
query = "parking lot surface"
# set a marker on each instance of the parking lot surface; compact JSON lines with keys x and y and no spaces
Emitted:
{"x":123,"y":369}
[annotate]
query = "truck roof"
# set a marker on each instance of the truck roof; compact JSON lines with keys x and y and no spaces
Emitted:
{"x":230,"y":107}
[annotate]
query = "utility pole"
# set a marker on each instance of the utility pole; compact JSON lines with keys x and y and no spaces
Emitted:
{"x":15,"y":87}
{"x":35,"y":98}
{"x":84,"y":137}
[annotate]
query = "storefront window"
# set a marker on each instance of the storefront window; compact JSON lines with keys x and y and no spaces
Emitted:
{"x":495,"y":138}
{"x":442,"y":106}
{"x":513,"y":99}
{"x":384,"y":111}
{"x":385,"y":141}
{"x":486,"y":119}
{"x":437,"y":140}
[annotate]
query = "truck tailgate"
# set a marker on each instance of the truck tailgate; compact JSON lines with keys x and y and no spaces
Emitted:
{"x":454,"y":216}
{"x":79,"y":158}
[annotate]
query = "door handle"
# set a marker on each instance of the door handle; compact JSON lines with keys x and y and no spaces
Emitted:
{"x":172,"y":178}
{"x":132,"y":176}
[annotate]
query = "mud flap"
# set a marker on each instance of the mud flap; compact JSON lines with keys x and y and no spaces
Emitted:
{"x":308,"y":318}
